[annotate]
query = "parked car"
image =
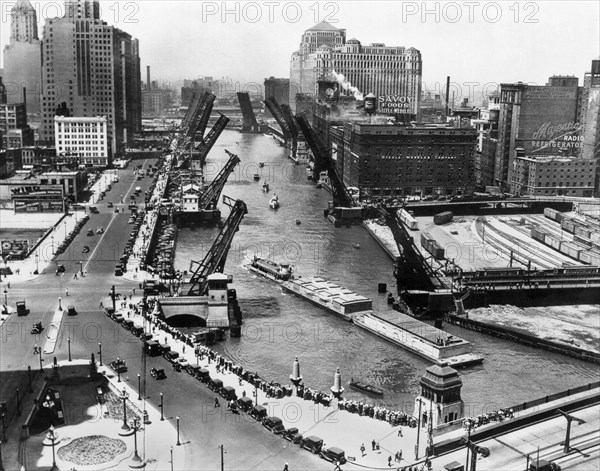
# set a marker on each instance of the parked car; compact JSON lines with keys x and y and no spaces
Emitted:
{"x":258,"y":412}
{"x":171,"y":357}
{"x":312,"y":444}
{"x":334,"y":454}
{"x":90,"y":232}
{"x":215,"y":384}
{"x":273,"y":424}
{"x":158,"y":374}
{"x":86,"y":249}
{"x":100,"y":230}
{"x":60,"y":268}
{"x":118,"y":365}
{"x":292,"y":434}
{"x":245,"y":403}
{"x":110,"y":204}
{"x":71,"y":311}
{"x":228,"y":393}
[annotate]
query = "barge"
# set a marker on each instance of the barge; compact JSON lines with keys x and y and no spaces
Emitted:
{"x":418,"y":337}
{"x":334,"y":298}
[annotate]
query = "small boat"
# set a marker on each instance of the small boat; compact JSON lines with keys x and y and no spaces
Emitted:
{"x":298,"y":222}
{"x":274,"y":203}
{"x":356,"y":246}
{"x":265,"y":187}
{"x":256,"y":177}
{"x":365,"y":387}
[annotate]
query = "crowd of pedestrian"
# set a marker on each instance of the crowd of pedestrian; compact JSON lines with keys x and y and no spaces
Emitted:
{"x":394,"y":417}
{"x":482,"y":419}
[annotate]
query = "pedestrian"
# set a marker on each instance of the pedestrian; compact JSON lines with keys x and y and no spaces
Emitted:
{"x":400,"y":432}
{"x":337,"y":466}
{"x":373,"y":443}
{"x":101,"y":305}
{"x":400,"y":456}
{"x":217,"y":402}
{"x":285,"y":467}
{"x":362,"y":449}
{"x":66,"y":291}
{"x":390,"y":461}
{"x":134,"y":291}
{"x":75,"y":276}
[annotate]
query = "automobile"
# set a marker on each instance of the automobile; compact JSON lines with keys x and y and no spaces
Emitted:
{"x":118,"y":318}
{"x":138,"y":189}
{"x":60,"y":268}
{"x":118,"y":270}
{"x":94,"y":210}
{"x":71,"y":311}
{"x":110,"y":204}
{"x":90,"y":232}
{"x":258,"y":412}
{"x":158,"y":374}
{"x":215,"y":384}
{"x":118,"y":365}
{"x":292,"y":435}
{"x":203,"y":374}
{"x":273,"y":424}
{"x":22,"y":309}
{"x":171,"y":357}
{"x":312,"y":444}
{"x":131,"y":220}
{"x":244,"y":403}
{"x":116,"y":210}
{"x":228,"y":393}
{"x":333,"y":454}
{"x":37,"y":328}
{"x":182,"y":362}
{"x":86,"y":249}
{"x":100,"y":230}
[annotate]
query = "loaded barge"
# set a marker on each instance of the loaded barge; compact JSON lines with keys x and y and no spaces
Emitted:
{"x":400,"y":329}
{"x":419,"y":337}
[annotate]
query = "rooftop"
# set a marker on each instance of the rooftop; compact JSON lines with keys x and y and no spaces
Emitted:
{"x":323,"y":26}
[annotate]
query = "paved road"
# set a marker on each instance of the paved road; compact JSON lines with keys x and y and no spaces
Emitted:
{"x":248,"y":445}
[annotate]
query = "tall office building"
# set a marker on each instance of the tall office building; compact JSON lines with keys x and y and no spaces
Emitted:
{"x":393,"y":74}
{"x":22,"y":58}
{"x":94,"y":68}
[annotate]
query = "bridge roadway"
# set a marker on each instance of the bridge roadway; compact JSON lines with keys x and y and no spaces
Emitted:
{"x":247,"y":444}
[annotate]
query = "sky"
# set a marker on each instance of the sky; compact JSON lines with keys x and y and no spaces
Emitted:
{"x":477,"y":43}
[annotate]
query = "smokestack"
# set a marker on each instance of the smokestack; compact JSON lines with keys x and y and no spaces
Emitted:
{"x":148,"y":77}
{"x":447,"y":93}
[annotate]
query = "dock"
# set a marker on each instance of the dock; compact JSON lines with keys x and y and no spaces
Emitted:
{"x":418,"y":337}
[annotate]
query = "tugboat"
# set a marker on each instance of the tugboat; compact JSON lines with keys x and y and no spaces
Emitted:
{"x":365,"y":387}
{"x":274,"y":203}
{"x":265,"y":187}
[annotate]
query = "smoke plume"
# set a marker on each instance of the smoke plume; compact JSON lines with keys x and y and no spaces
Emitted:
{"x":339,"y":78}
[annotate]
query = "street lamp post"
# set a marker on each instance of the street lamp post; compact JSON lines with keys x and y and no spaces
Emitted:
{"x":52,"y":237}
{"x":60,"y":304}
{"x":39,"y":351}
{"x":69,"y":346}
{"x":139,"y":387}
{"x":162,"y":406}
{"x":37,"y":265}
{"x":6,"y":298}
{"x":124,"y":397}
{"x":52,"y":436}
{"x":100,"y":352}
{"x":65,"y":230}
{"x":136,"y":427}
{"x":29,"y":373}
{"x":178,"y":442}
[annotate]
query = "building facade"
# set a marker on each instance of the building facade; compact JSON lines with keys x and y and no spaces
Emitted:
{"x":14,"y":130}
{"x":93,"y":68}
{"x":22,"y":58}
{"x":83,"y":139}
{"x":390,"y":160}
{"x":553,"y":176}
{"x":393,"y":74}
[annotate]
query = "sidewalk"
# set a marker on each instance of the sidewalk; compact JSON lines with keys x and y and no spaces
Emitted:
{"x":336,"y":427}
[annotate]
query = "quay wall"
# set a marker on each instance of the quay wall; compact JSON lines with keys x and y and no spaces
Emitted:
{"x":524,"y":338}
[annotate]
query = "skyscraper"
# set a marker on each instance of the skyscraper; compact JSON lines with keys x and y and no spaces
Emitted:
{"x":22,"y":58}
{"x":94,"y":68}
{"x":385,"y":71}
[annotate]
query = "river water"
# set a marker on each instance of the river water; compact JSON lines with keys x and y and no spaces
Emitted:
{"x":278,"y":326}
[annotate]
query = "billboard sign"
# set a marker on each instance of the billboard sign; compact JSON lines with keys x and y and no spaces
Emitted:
{"x":395,"y":104}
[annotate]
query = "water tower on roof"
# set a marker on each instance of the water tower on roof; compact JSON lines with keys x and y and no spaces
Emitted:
{"x":439,"y":400}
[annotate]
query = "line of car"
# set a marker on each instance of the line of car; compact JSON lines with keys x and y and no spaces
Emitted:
{"x":275,"y":425}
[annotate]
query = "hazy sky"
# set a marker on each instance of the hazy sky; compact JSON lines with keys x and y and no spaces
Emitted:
{"x":472,"y":41}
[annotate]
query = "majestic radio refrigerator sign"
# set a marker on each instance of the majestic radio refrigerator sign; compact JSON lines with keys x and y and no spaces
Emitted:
{"x":395,"y":104}
{"x":555,"y":137}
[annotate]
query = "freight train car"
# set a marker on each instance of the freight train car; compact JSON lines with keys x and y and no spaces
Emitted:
{"x":432,"y":247}
{"x":443,"y":218}
{"x":408,"y":220}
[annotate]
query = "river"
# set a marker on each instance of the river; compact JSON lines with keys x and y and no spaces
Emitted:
{"x":278,"y":326}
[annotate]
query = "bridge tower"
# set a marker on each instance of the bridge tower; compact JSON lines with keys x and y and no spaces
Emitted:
{"x":217,"y":299}
{"x":439,"y":401}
